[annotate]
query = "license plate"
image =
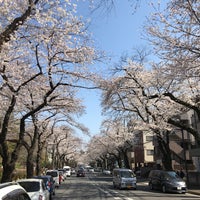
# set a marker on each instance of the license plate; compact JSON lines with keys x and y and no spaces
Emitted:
{"x":178,"y":188}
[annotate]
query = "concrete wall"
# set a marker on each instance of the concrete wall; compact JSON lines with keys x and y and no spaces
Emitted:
{"x":194,"y":178}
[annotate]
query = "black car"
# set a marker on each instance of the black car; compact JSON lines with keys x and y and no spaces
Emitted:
{"x":49,"y":182}
{"x":80,"y":173}
{"x":167,"y":181}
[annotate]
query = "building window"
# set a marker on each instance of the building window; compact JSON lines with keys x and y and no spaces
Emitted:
{"x":149,"y":138}
{"x":150,"y":152}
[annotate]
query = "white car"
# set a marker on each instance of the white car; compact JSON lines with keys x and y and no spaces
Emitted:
{"x":55,"y":175}
{"x":106,"y":172}
{"x":14,"y":191}
{"x":35,"y":188}
{"x":67,"y":170}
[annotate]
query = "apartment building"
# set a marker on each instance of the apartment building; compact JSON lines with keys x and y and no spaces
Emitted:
{"x":142,"y":154}
{"x":184,"y":150}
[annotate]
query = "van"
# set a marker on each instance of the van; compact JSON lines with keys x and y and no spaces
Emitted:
{"x":56,"y":176}
{"x":67,"y":170}
{"x":124,"y":179}
{"x":167,"y":181}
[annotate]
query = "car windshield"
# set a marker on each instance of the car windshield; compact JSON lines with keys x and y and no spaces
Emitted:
{"x":127,"y":174}
{"x":54,"y":174}
{"x":170,"y":175}
{"x":30,"y":186}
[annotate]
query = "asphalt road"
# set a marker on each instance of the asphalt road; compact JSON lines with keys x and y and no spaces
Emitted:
{"x":94,"y":187}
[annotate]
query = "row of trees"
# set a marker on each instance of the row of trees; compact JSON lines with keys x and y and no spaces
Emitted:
{"x":153,"y":95}
{"x":44,"y":52}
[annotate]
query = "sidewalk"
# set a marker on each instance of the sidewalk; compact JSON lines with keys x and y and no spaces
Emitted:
{"x":194,"y":191}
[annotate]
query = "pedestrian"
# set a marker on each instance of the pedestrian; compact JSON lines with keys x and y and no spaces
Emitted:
{"x":182,"y":174}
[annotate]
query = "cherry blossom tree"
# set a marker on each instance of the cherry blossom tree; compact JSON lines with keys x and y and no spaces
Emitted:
{"x":153,"y":97}
{"x":112,"y":144}
{"x":44,"y":47}
{"x":65,"y":146}
{"x":130,"y":94}
{"x":174,"y":34}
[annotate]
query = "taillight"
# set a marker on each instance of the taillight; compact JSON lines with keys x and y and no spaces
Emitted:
{"x":40,"y":197}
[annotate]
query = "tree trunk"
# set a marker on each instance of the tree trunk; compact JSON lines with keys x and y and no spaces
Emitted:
{"x":166,"y":152}
{"x":38,"y":157}
{"x":30,"y":164}
{"x":126,"y":160}
{"x":38,"y":164}
{"x":8,"y":171}
{"x":8,"y":161}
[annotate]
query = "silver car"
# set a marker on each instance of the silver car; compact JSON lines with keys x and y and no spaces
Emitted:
{"x":167,"y":181}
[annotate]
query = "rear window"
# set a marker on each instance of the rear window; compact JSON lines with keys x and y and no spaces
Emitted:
{"x":30,"y":186}
{"x":127,"y":174}
{"x":54,"y":174}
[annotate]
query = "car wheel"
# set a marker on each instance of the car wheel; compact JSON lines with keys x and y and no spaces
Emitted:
{"x":151,"y":186}
{"x":164,"y":189}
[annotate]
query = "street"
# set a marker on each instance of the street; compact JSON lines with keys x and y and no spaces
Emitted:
{"x":100,"y":187}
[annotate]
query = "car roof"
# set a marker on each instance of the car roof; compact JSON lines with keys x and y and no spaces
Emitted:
{"x":6,"y":188}
{"x":43,"y":176}
{"x":121,"y":169}
{"x":30,"y":180}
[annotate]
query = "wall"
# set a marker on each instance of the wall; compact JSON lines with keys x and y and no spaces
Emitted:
{"x":194,"y":179}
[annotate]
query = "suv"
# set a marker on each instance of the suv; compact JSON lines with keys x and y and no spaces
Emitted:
{"x":12,"y":191}
{"x":167,"y":181}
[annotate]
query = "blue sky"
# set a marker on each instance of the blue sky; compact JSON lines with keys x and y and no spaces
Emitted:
{"x":116,"y":33}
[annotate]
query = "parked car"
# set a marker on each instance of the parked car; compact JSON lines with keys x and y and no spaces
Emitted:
{"x":80,"y":173}
{"x":55,"y":175}
{"x":67,"y":170}
{"x":35,"y":188}
{"x":13,"y":191}
{"x":63,"y":173}
{"x":73,"y":171}
{"x":124,"y":179}
{"x":49,"y":182}
{"x":167,"y":181}
{"x":106,"y":172}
